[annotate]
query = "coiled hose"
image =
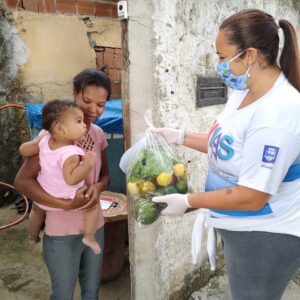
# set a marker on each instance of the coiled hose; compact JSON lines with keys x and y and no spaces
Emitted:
{"x":10,"y":186}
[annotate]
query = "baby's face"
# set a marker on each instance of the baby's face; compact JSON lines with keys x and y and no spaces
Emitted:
{"x":73,"y":123}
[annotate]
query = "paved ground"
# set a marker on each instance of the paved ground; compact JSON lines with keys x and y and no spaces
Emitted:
{"x":23,"y":275}
{"x":218,"y":289}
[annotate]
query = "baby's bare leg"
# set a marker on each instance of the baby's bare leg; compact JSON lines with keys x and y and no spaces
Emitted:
{"x":91,"y":218}
{"x":36,"y":220}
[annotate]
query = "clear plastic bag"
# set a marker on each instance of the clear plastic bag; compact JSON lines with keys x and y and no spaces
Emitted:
{"x":153,"y":169}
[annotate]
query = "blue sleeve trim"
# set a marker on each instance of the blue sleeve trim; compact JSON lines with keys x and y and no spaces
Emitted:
{"x":266,"y":210}
{"x":293,"y":173}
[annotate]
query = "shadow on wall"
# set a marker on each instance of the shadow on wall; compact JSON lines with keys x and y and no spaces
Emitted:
{"x":13,"y":131}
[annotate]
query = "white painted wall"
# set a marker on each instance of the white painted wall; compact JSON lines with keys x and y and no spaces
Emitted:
{"x":170,"y":43}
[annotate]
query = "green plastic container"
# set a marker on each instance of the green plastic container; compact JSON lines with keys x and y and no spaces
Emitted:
{"x":114,"y":153}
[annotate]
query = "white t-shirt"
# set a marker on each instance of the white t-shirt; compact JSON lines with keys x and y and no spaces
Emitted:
{"x":258,"y":146}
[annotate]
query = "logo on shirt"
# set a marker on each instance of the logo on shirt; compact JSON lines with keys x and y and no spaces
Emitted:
{"x":220,"y":144}
{"x":269,"y":156}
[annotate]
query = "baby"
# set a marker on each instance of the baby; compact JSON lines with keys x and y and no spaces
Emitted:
{"x":64,"y":165}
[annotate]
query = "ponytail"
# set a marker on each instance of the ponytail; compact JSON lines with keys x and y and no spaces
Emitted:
{"x":289,"y":59}
{"x":255,"y":28}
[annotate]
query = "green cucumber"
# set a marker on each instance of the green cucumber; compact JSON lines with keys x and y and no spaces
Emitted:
{"x":146,"y":211}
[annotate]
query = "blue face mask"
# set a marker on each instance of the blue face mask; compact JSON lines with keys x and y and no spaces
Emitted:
{"x":231,"y":80}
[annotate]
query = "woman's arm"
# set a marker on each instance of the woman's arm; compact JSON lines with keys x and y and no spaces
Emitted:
{"x":196,"y":141}
{"x":104,"y":179}
{"x":235,"y":198}
{"x":94,"y":190}
{"x":192,"y":140}
{"x":26,"y":183}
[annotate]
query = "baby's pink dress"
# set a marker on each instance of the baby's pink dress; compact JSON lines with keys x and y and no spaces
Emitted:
{"x":61,"y":222}
{"x":51,"y":176}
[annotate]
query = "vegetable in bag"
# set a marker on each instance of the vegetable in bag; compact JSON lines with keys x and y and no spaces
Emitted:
{"x":155,"y":170}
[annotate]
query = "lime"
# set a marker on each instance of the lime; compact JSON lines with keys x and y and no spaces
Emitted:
{"x":166,"y":190}
{"x":181,"y":186}
{"x":170,"y":190}
{"x":160,"y":191}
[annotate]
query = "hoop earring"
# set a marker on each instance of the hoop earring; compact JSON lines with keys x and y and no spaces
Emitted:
{"x":248,"y":72}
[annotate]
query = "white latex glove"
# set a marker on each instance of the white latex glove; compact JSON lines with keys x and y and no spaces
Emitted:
{"x":177,"y":204}
{"x":171,"y":135}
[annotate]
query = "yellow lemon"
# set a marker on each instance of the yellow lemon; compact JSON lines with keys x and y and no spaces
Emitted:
{"x":133,"y":188}
{"x":179,"y":170}
{"x":164,"y":179}
{"x":147,"y":188}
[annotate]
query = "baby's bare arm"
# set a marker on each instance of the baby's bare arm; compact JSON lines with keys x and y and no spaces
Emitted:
{"x":74,"y":172}
{"x":30,"y":148}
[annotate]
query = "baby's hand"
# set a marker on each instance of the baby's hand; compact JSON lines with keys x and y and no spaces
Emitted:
{"x":90,"y":158}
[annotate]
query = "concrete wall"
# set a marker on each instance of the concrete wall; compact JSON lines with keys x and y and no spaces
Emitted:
{"x":60,"y":47}
{"x":177,"y":44}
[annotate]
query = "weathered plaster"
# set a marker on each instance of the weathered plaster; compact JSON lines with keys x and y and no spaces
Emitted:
{"x":52,"y":52}
{"x":60,"y":47}
{"x":170,"y":44}
{"x":13,"y":53}
{"x":106,"y":33}
{"x":140,"y":47}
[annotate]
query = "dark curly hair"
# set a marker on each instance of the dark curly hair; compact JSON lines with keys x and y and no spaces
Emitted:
{"x":90,"y":77}
{"x":54,"y":111}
